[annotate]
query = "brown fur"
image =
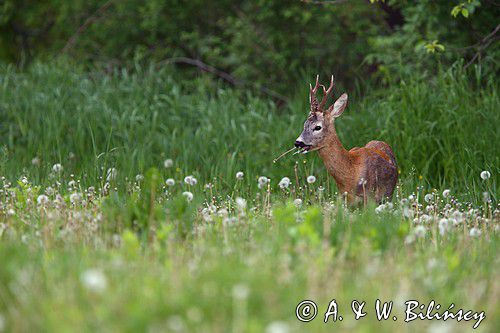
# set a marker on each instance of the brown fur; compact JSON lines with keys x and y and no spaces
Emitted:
{"x":369,"y":172}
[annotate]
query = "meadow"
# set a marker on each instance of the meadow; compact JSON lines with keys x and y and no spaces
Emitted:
{"x":138,"y":201}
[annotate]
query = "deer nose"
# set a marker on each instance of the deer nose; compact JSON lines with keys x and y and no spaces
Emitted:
{"x":299,"y":144}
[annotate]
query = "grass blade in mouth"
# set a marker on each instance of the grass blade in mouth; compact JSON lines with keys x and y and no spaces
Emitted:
{"x":289,"y":150}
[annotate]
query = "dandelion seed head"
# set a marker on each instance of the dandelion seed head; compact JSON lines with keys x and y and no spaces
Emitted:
{"x":428,"y":197}
{"x":485,"y":175}
{"x":188,"y":195}
{"x":446,"y":193}
{"x":241,"y":291}
{"x":241,"y":203}
{"x":139,"y":178}
{"x":474,"y":232}
{"x":57,"y":168}
{"x":42,"y":200}
{"x":168,"y":163}
{"x":35,"y":161}
{"x":297,"y":202}
{"x":419,"y":231}
{"x":278,"y":327}
{"x":311,"y":179}
{"x":94,"y":280}
{"x":284,"y":182}
{"x":240,"y":175}
{"x":170,"y":182}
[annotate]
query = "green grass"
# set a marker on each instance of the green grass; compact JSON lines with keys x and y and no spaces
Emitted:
{"x":79,"y":253}
{"x":444,"y":130}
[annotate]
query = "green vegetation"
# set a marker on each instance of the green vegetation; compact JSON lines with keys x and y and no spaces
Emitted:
{"x":105,"y":242}
{"x":137,"y":185}
{"x":442,"y":129}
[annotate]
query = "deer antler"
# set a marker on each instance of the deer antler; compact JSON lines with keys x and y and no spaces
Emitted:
{"x":312,"y":95}
{"x":326,"y":94}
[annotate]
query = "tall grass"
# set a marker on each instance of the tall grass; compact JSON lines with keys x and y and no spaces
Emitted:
{"x":444,"y":129}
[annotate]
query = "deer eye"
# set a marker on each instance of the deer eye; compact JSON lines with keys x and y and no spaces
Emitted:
{"x":317,"y":128}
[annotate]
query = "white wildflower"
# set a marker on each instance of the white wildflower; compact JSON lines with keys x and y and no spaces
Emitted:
{"x":419,"y":231}
{"x":190,"y":180}
{"x":262,"y":182}
{"x":486,"y":197}
{"x":57,"y":168}
{"x":278,"y":327}
{"x":240,"y":175}
{"x":380,"y":209}
{"x":475,"y":232}
{"x":75,"y":198}
{"x":446,"y":193}
{"x":428,"y":197}
{"x":170,"y":182}
{"x":241,"y":203}
{"x":297,"y":202}
{"x":485,"y":175}
{"x":284,"y":182}
{"x":443,"y":225}
{"x":311,"y":179}
{"x":72,"y":183}
{"x":168,"y":163}
{"x":35,"y":161}
{"x":11,"y":212}
{"x":42,"y":200}
{"x":94,"y":280}
{"x":241,"y":291}
{"x":139,"y":178}
{"x":188,"y":195}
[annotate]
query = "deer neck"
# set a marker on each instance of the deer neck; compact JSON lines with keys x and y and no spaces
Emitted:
{"x":337,"y":161}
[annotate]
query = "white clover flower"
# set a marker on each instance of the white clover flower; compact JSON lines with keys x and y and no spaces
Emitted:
{"x":475,"y":232}
{"x":297,"y":202}
{"x":428,"y":197}
{"x":278,"y":327}
{"x":139,"y":178}
{"x":170,"y":182}
{"x":419,"y":231}
{"x":262,"y":182}
{"x":241,"y":203}
{"x":311,"y":179}
{"x":188,"y":195}
{"x":111,"y":174}
{"x":446,"y":193}
{"x":42,"y":200}
{"x":72,"y":183}
{"x":485,"y":175}
{"x":241,"y":291}
{"x":35,"y":161}
{"x":284,"y":182}
{"x":57,"y":168}
{"x":168,"y":163}
{"x":94,"y":280}
{"x":240,"y":175}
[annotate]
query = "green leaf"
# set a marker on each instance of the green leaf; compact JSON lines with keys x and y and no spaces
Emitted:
{"x":465,"y":12}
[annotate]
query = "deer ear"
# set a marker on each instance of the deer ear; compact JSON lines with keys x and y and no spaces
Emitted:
{"x":338,"y":107}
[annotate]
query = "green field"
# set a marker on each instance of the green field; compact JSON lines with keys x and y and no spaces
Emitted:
{"x":94,"y":238}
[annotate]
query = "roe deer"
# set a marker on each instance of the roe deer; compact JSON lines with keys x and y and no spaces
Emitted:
{"x":363,"y":173}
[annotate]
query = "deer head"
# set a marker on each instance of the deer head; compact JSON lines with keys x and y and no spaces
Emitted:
{"x":319,"y":124}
